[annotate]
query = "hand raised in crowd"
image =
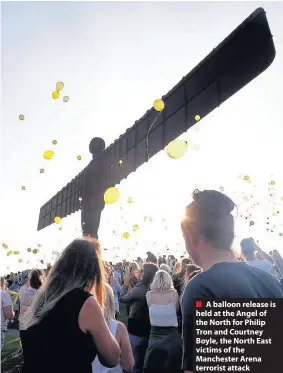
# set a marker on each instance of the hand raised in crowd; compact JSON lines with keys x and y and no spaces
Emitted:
{"x":126,"y":280}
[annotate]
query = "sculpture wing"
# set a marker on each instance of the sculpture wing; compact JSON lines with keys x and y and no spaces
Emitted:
{"x":63,"y":203}
{"x":241,"y":57}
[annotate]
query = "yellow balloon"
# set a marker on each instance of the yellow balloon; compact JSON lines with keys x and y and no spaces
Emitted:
{"x":197,"y":118}
{"x":59,"y":86}
{"x":272,"y":182}
{"x":21,"y":117}
{"x":111,"y":195}
{"x":130,"y":200}
{"x":79,"y":158}
{"x":35,"y":251}
{"x":57,"y":219}
{"x":135,"y":228}
{"x":158,"y":105}
{"x":66,"y":98}
{"x":23,"y":188}
{"x":246,"y":178}
{"x":126,"y":235}
{"x":54,"y":142}
{"x":48,"y":154}
{"x":221,"y":189}
{"x":41,"y":170}
{"x":120,"y":162}
{"x":55,"y":95}
{"x":177,"y":148}
{"x":20,"y":260}
{"x":29,"y":250}
{"x":60,"y":228}
{"x":80,"y":199}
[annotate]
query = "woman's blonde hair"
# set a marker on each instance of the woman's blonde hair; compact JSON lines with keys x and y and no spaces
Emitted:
{"x":78,"y":267}
{"x":166,"y":268}
{"x":109,"y":303}
{"x":162,"y":281}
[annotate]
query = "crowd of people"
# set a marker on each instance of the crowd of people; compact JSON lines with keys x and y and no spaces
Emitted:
{"x":69,"y":314}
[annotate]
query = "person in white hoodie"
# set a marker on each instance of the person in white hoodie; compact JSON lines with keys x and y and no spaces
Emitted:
{"x":26,"y":295}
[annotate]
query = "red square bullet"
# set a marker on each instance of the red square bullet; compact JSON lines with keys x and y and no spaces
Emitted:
{"x":198,"y":304}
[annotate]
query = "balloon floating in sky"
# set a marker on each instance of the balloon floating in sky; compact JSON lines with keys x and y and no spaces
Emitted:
{"x":41,"y":170}
{"x":120,"y":162}
{"x":79,"y":158}
{"x":251,"y":223}
{"x":59,"y":86}
{"x":35,"y":251}
{"x":197,"y":118}
{"x":60,"y":228}
{"x":177,"y":148}
{"x":158,"y":105}
{"x":20,"y":260}
{"x":23,"y":188}
{"x":55,"y":95}
{"x":66,"y":98}
{"x":130,"y":200}
{"x":272,"y":183}
{"x":246,"y":178}
{"x":48,"y":154}
{"x":5,"y":246}
{"x":80,"y":199}
{"x":126,"y":235}
{"x":29,"y":250}
{"x":221,"y":189}
{"x":135,"y":228}
{"x":54,"y":142}
{"x":111,"y":195}
{"x":21,"y":117}
{"x":57,"y":219}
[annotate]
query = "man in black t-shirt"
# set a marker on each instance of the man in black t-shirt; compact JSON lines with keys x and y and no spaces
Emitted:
{"x":208,"y":230}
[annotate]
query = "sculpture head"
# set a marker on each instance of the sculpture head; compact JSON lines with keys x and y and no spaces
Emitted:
{"x":96,"y":146}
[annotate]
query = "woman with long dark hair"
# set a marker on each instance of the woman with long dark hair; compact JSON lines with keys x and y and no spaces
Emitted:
{"x":138,"y":322}
{"x":65,"y":324}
